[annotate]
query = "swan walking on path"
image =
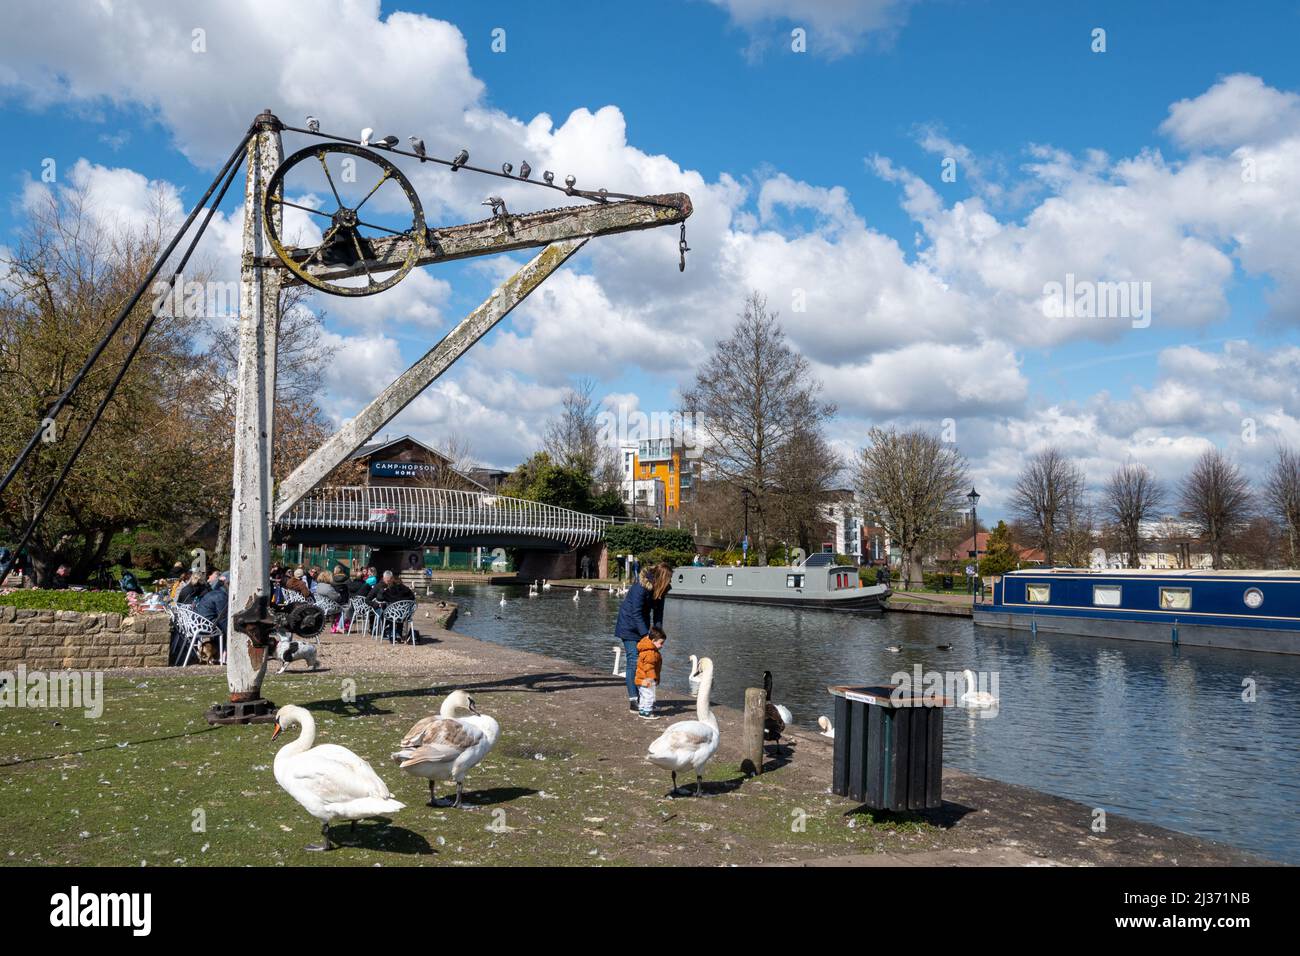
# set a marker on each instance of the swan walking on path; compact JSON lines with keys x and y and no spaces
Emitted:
{"x":448,"y":746}
{"x":688,"y":744}
{"x":331,"y":782}
{"x":828,"y":730}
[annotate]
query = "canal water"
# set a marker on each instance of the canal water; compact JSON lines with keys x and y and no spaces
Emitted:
{"x":1151,"y":732}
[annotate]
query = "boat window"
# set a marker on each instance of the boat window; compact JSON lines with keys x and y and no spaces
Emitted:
{"x":1253,"y":597}
{"x":1106,"y":595}
{"x":703,"y":578}
{"x":1175,"y":599}
{"x":794,"y":580}
{"x":1038,"y":593}
{"x":681,"y":578}
{"x":729,"y":579}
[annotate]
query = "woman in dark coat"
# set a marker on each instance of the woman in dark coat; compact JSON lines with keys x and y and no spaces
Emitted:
{"x":642,"y":608}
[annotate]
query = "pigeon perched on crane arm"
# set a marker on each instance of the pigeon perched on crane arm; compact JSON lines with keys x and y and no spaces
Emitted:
{"x":417,"y":147}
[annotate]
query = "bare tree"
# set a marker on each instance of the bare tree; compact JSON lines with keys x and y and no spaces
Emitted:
{"x":1048,"y":488}
{"x":806,"y":471}
{"x":1282,"y":495}
{"x":1132,"y":497}
{"x":752,"y":401}
{"x":910,"y":482}
{"x":1216,"y":499}
{"x":572,"y":438}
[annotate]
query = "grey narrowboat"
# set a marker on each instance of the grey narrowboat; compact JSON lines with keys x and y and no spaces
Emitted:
{"x":812,"y":584}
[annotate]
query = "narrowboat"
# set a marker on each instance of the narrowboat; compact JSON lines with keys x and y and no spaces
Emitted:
{"x":1245,"y":610}
{"x":815,"y":583}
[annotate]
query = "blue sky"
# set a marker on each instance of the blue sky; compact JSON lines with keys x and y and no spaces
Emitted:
{"x":817,"y":171}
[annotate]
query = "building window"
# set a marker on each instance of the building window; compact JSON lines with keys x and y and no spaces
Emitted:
{"x":1106,"y":595}
{"x":1175,"y":599}
{"x":1038,"y":593}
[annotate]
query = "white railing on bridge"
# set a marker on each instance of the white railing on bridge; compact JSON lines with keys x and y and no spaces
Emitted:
{"x":428,"y":515}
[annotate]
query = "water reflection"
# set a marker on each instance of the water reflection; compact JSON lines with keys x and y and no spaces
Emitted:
{"x":1154,"y":732}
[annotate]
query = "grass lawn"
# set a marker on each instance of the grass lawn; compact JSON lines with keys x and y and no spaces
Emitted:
{"x":151,"y":783}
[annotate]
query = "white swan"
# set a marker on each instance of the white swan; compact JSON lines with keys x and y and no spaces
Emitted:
{"x":688,"y":744}
{"x":331,"y":782}
{"x":446,"y":747}
{"x":546,"y":585}
{"x":575,"y":597}
{"x":978,"y":699}
{"x":532,"y":590}
{"x":618,"y":658}
{"x":588,"y":589}
{"x":693,"y":678}
{"x":824,"y":723}
{"x":503,"y":600}
{"x":451,"y":588}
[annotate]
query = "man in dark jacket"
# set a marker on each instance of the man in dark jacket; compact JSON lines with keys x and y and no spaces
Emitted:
{"x":392,"y":589}
{"x":192,"y":591}
{"x":214,"y":603}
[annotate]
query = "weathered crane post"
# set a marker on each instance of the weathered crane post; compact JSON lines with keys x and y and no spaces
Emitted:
{"x":250,"y":524}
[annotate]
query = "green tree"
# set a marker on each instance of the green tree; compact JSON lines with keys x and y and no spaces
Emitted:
{"x":1001,"y":555}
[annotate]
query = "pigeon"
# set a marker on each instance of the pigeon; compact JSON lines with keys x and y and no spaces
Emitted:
{"x":313,"y":124}
{"x":507,"y":168}
{"x":365,"y":136}
{"x":498,"y":206}
{"x":417,"y":145}
{"x":388,"y":142}
{"x":525,"y":170}
{"x":461,"y":159}
{"x":549,"y":177}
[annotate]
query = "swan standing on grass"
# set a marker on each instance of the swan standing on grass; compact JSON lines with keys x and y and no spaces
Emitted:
{"x":688,"y":744}
{"x":446,"y":747}
{"x":331,"y":782}
{"x":978,"y":699}
{"x":693,"y":678}
{"x":824,"y":723}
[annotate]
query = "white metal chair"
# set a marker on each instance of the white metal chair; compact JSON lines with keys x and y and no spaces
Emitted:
{"x":293,"y":597}
{"x":396,"y":616}
{"x":360,"y":609}
{"x":329,"y":608}
{"x":195,"y":628}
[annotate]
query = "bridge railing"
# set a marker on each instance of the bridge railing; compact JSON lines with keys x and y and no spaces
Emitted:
{"x":427,"y":515}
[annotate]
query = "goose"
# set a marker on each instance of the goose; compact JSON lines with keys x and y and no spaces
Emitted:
{"x":329,"y":781}
{"x":688,"y":744}
{"x":446,"y":747}
{"x":775,"y":717}
{"x":618,"y":658}
{"x":944,"y":647}
{"x":976,"y":698}
{"x":693,"y":678}
{"x":824,"y":723}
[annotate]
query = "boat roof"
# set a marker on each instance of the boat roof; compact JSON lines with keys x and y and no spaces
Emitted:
{"x":1156,"y":573}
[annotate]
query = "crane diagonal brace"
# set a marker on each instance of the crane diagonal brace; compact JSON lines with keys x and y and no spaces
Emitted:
{"x":420,"y":375}
{"x":512,"y":233}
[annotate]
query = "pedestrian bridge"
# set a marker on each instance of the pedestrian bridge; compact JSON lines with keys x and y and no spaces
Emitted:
{"x":410,"y":517}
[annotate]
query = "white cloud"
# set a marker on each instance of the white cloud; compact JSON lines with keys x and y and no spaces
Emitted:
{"x":835,"y":27}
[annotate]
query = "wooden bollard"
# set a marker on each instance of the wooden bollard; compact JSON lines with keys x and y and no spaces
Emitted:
{"x":752,"y":745}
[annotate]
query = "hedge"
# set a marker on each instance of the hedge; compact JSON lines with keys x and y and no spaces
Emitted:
{"x":639,"y":539}
{"x":86,"y":601}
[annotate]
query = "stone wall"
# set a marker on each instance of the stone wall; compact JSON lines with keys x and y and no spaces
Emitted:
{"x":58,"y":640}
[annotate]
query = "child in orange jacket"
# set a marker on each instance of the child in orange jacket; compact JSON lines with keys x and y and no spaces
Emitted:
{"x":649,"y":662}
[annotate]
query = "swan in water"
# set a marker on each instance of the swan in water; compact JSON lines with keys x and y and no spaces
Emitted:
{"x":588,"y":589}
{"x":331,"y":782}
{"x":503,"y":600}
{"x":575,"y":597}
{"x":688,"y":744}
{"x":893,"y":648}
{"x":976,"y":698}
{"x":446,"y":747}
{"x":546,"y":585}
{"x":693,"y":678}
{"x":618,"y":658}
{"x":776,"y":717}
{"x":451,"y":588}
{"x":824,"y":723}
{"x":532,"y":590}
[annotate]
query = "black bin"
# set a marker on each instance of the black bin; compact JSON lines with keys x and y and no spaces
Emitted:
{"x":888,"y":752}
{"x":882,"y":575}
{"x":947,"y":582}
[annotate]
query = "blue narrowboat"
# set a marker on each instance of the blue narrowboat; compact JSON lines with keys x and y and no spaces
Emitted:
{"x":1247,"y":610}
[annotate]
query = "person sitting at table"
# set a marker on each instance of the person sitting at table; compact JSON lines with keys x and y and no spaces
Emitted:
{"x":297,"y":584}
{"x":392,"y":589}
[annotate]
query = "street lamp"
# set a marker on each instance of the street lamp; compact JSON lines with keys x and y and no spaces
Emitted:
{"x":745,"y":495}
{"x":974,"y":499}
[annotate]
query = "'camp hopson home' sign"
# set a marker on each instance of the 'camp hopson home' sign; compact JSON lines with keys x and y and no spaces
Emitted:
{"x":403,"y":469}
